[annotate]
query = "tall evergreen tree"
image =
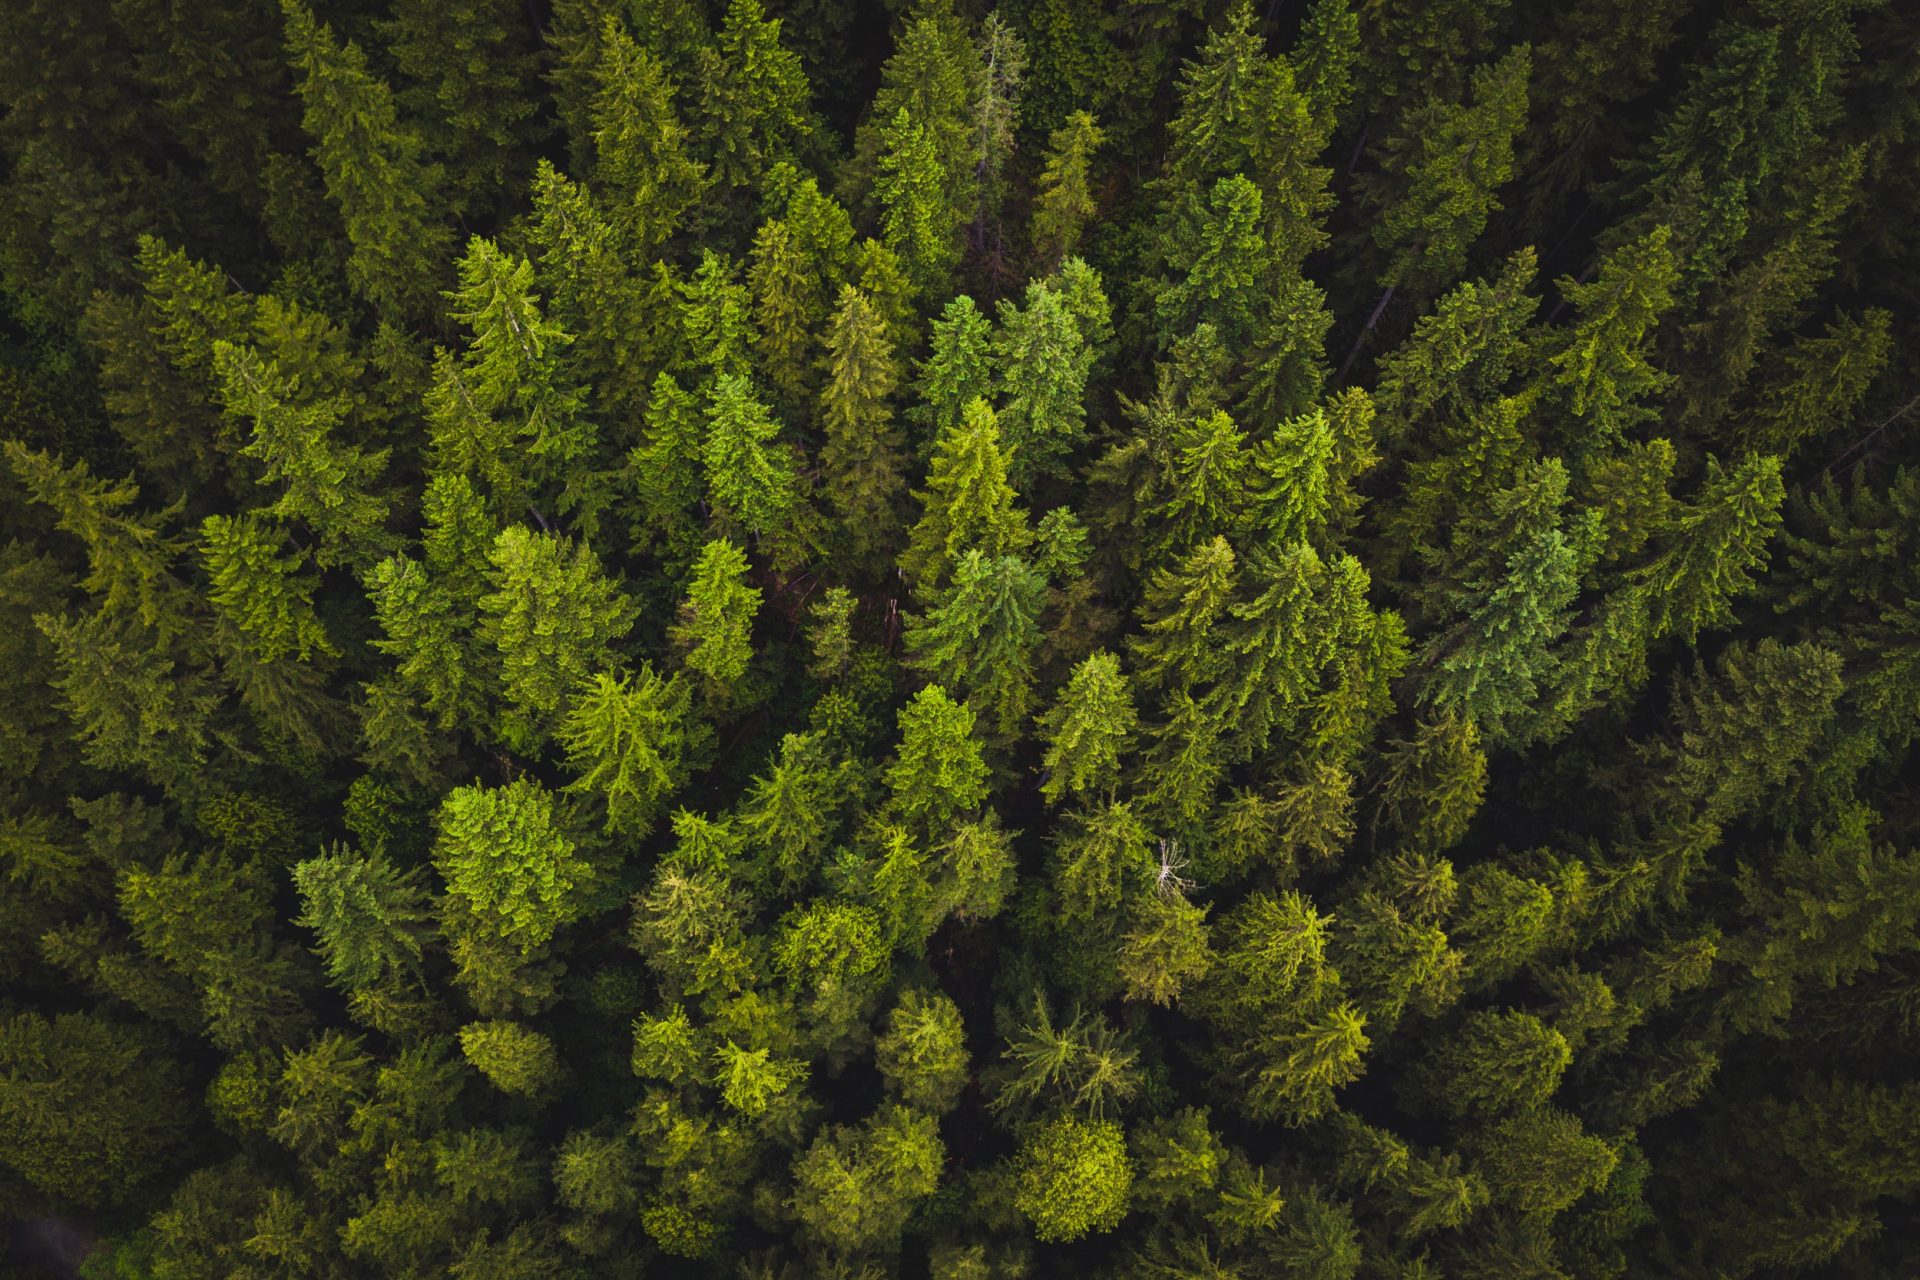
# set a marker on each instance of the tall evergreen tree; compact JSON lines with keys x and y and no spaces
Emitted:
{"x":375,"y":172}
{"x":860,"y":462}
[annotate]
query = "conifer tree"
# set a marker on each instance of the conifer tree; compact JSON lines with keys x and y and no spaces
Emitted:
{"x":472,"y":95}
{"x":1715,"y":543}
{"x":993,"y":120}
{"x":261,"y":591}
{"x":1065,"y":200}
{"x":1819,"y":385}
{"x":509,"y":412}
{"x":855,"y":1189}
{"x":1494,"y":1065}
{"x":1177,"y":645}
{"x":373,"y":166}
{"x":716,"y":619}
{"x":980,"y":635}
{"x":94,"y":1107}
{"x":129,"y":556}
{"x":923,"y":1054}
{"x":1074,"y":1177}
{"x":553,"y":618}
{"x":642,"y":168}
{"x":514,"y":1057}
{"x":938,"y":76}
{"x":860,"y":461}
{"x":1223,"y":265}
{"x":1101,"y":856}
{"x":784,"y":306}
{"x":627,"y":738}
{"x":1515,"y":573}
{"x":958,"y":369}
{"x":370,"y":917}
{"x":753,"y":96}
{"x":1440,"y":171}
{"x":1243,"y":114}
{"x":1088,"y":731}
{"x":938,"y":773}
{"x":916,"y":221}
{"x":750,"y":473}
{"x":1164,"y":949}
{"x":1603,"y":371}
{"x":323,"y":481}
{"x":1043,"y":361}
{"x":503,"y":857}
{"x":968,"y":503}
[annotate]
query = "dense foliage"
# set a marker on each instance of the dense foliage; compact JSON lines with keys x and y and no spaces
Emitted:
{"x":1165,"y":639}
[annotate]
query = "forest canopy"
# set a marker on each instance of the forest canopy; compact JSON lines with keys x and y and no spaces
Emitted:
{"x":1154,"y":640}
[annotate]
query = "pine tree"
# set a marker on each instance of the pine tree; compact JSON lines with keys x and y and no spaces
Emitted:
{"x":958,"y":369}
{"x":1820,"y":383}
{"x":855,"y":1190}
{"x":94,"y":1108}
{"x":1459,"y":358}
{"x":665,"y":470}
{"x":790,"y":811}
{"x":1494,"y":1065}
{"x":753,"y":96}
{"x":916,"y":222}
{"x":994,"y":118}
{"x":1737,"y":733}
{"x":968,"y":503}
{"x":1542,"y":1161}
{"x":472,"y":94}
{"x":260,"y":590}
{"x":553,"y":618}
{"x":1244,"y":114}
{"x":716,"y":619}
{"x":1043,"y":361}
{"x":596,"y":294}
{"x":860,"y":461}
{"x":129,"y":556}
{"x":370,"y":917}
{"x":1295,"y":486}
{"x":750,"y":473}
{"x":1089,"y":731}
{"x":193,"y":306}
{"x":1515,"y":571}
{"x":1203,"y":485}
{"x":1439,"y":175}
{"x":1223,"y":266}
{"x":325,"y":482}
{"x":922,"y":1054}
{"x":509,"y":413}
{"x":1065,"y":200}
{"x":1183,"y":768}
{"x":1178,"y":613}
{"x":641,"y":163}
{"x":979,"y":636}
{"x":1602,"y":371}
{"x":503,"y":857}
{"x":1073,"y":1178}
{"x":1100,"y":857}
{"x":800,"y":260}
{"x":938,"y":772}
{"x":1164,"y":949}
{"x":1434,"y":781}
{"x":785,"y":309}
{"x":516,"y":1058}
{"x":939,"y":77}
{"x":373,"y":167}
{"x":1714,"y":544}
{"x":627,"y":739}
